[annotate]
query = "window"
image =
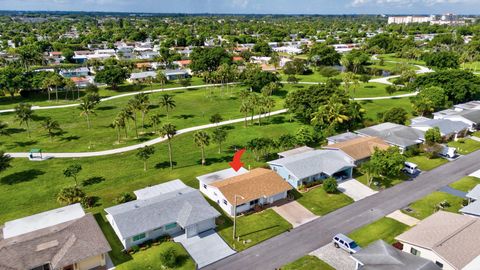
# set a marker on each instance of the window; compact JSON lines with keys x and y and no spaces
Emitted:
{"x":170,"y":226}
{"x":415,"y":252}
{"x":204,"y":186}
{"x":42,"y":267}
{"x":139,"y":237}
{"x":158,"y":229}
{"x":439,"y":264}
{"x":225,"y":202}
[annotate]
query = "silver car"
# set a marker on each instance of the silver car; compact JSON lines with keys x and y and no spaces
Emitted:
{"x":345,"y":243}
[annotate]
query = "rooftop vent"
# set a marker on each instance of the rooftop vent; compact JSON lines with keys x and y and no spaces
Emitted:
{"x":47,"y":245}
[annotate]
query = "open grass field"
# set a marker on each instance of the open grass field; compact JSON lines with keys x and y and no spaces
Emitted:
{"x":466,"y":184}
{"x":427,"y":205}
{"x":193,"y":107}
{"x":307,"y":262}
{"x":320,"y":202}
{"x":373,"y":107}
{"x":385,"y":228}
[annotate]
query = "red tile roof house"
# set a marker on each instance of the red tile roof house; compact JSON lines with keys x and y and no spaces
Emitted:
{"x":65,"y":238}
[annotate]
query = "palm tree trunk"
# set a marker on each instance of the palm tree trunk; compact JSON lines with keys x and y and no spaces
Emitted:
{"x":28,"y":129}
{"x":118,"y":134}
{"x":219,"y":147}
{"x":56,"y":93}
{"x":145,"y":165}
{"x":135,"y":122}
{"x":203,"y":155}
{"x":170,"y":154}
{"x":246,"y":119}
{"x":88,"y":121}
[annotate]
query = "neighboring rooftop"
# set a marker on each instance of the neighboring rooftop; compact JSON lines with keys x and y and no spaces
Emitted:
{"x":446,"y":126}
{"x":315,"y":162}
{"x":474,"y":193}
{"x":42,"y":220}
{"x":472,"y":115}
{"x":472,"y":209}
{"x":60,"y":245}
{"x":360,"y":148}
{"x":382,"y":256}
{"x":160,"y":189}
{"x":295,"y":151}
{"x":471,"y":105}
{"x":255,"y":184}
{"x":394,"y":134}
{"x":185,"y":206}
{"x":447,"y":234}
{"x":221,"y":175}
{"x":343,"y":137}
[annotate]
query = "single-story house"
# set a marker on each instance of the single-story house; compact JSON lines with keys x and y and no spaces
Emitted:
{"x":380,"y":255}
{"x":77,"y":72}
{"x":449,"y":129}
{"x":359,"y":149}
{"x":394,"y":134}
{"x":469,"y":117}
{"x":473,"y":207}
{"x":311,"y":166}
{"x":471,"y":105}
{"x":246,"y":189}
{"x":295,"y":151}
{"x":142,"y":76}
{"x":82,"y":82}
{"x":65,"y":238}
{"x":347,"y":136}
{"x":166,"y":209}
{"x":176,"y":74}
{"x":449,"y":240}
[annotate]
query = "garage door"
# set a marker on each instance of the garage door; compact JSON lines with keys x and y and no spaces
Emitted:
{"x":200,"y":227}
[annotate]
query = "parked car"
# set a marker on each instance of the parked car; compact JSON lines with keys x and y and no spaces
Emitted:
{"x":449,"y":152}
{"x":345,"y":243}
{"x":411,"y":168}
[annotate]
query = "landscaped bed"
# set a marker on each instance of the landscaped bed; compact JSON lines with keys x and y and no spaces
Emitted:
{"x":385,"y":228}
{"x":428,"y":204}
{"x":320,"y":202}
{"x":307,"y":263}
{"x":466,"y":184}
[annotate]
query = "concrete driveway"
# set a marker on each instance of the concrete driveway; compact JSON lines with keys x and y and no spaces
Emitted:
{"x":205,"y":248}
{"x":337,"y":258}
{"x":294,"y":213}
{"x":355,"y":190}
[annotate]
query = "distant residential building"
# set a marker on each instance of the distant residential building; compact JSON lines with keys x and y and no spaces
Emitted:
{"x":76,"y":72}
{"x":410,"y":19}
{"x":243,"y":188}
{"x":142,"y":76}
{"x":448,"y":129}
{"x":344,"y":48}
{"x":394,"y":134}
{"x":447,"y":239}
{"x":171,"y":208}
{"x":176,"y":74}
{"x":65,"y":238}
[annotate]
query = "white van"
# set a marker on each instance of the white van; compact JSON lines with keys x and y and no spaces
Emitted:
{"x":411,"y":168}
{"x":345,"y":243}
{"x":449,"y":152}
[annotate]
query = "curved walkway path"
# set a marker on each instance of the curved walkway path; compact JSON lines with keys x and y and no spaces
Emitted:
{"x":137,"y":146}
{"x":121,"y":96}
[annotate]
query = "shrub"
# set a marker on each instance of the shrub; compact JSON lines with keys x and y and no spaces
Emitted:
{"x":89,"y":201}
{"x":70,"y":195}
{"x":134,"y":249}
{"x":125,"y":197}
{"x":330,"y":185}
{"x":169,"y":258}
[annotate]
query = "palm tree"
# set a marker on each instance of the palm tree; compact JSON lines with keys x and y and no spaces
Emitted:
{"x":144,"y":105}
{"x":70,"y":195}
{"x":245,"y":109}
{"x":133,"y":106}
{"x":24,"y":114}
{"x":161,"y":78}
{"x":370,"y":171}
{"x":118,"y":123}
{"x":144,"y":154}
{"x":3,"y":128}
{"x":87,"y":108}
{"x":219,"y":136}
{"x":167,"y":102}
{"x":72,"y":171}
{"x":169,"y":130}
{"x":202,"y":139}
{"x":4,"y":161}
{"x":124,"y":115}
{"x":155,"y":120}
{"x":269,"y":104}
{"x":52,"y":127}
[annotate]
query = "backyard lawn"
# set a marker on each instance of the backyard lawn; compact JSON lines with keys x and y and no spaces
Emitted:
{"x":320,"y":202}
{"x":307,"y":262}
{"x":426,"y":164}
{"x":373,"y":107}
{"x":384,"y":228}
{"x":466,"y":184}
{"x":466,"y":146}
{"x":427,"y":205}
{"x":252,"y":229}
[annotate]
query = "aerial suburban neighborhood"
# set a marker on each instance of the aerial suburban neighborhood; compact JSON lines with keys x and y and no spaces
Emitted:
{"x":222,"y":134}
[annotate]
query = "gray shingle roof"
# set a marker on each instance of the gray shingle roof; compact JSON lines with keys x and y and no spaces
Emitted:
{"x":185,"y":206}
{"x":343,"y":137}
{"x":394,"y":134}
{"x":474,"y":193}
{"x":314,"y":162}
{"x":295,"y":151}
{"x":446,"y":126}
{"x":472,"y":209}
{"x":382,"y":256}
{"x":472,"y":115}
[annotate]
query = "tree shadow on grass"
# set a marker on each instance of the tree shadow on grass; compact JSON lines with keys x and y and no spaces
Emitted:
{"x":11,"y":131}
{"x":257,"y":231}
{"x":20,"y":177}
{"x":184,"y":116}
{"x":25,"y":144}
{"x":106,"y":108}
{"x":39,"y":118}
{"x":165,"y":165}
{"x":280,"y":93}
{"x":210,"y":161}
{"x":370,"y":86}
{"x":70,"y":138}
{"x":93,"y":180}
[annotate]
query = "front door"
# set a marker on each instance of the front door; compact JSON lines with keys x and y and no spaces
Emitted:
{"x":70,"y":267}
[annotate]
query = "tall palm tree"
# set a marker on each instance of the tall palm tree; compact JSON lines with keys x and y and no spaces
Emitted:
{"x":24,"y":114}
{"x":133,"y":106}
{"x":144,"y":105}
{"x":87,"y":108}
{"x":167,"y":102}
{"x":169,"y":130}
{"x":52,"y":127}
{"x":118,"y":123}
{"x":202,"y":139}
{"x":161,"y":78}
{"x":245,"y":109}
{"x":155,"y":119}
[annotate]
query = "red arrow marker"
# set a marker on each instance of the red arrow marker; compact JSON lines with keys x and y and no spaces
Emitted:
{"x":236,"y":164}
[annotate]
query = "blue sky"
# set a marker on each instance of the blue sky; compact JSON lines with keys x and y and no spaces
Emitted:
{"x":253,"y":6}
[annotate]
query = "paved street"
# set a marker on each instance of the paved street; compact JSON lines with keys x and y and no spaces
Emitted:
{"x":302,"y":240}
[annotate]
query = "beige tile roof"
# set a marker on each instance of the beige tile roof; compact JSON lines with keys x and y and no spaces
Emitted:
{"x":360,"y":148}
{"x":255,"y":184}
{"x":453,"y":237}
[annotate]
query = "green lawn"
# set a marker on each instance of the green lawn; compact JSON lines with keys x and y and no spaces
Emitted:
{"x":373,"y":107}
{"x":384,"y":228}
{"x":252,"y":229}
{"x":426,"y":206}
{"x":31,"y":187}
{"x":392,"y":57}
{"x":320,"y":202}
{"x":307,"y":262}
{"x":476,"y":134}
{"x":193,"y":107}
{"x":466,"y":146}
{"x":426,"y":164}
{"x":381,"y":184}
{"x":373,"y":90}
{"x":466,"y":184}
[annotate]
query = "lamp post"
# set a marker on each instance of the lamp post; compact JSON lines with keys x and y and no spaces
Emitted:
{"x":235,"y":216}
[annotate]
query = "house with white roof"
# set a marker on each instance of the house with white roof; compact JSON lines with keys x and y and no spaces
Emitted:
{"x":397,"y":135}
{"x":467,"y":116}
{"x":310,"y":166}
{"x":449,"y":129}
{"x":473,"y":207}
{"x":170,"y":208}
